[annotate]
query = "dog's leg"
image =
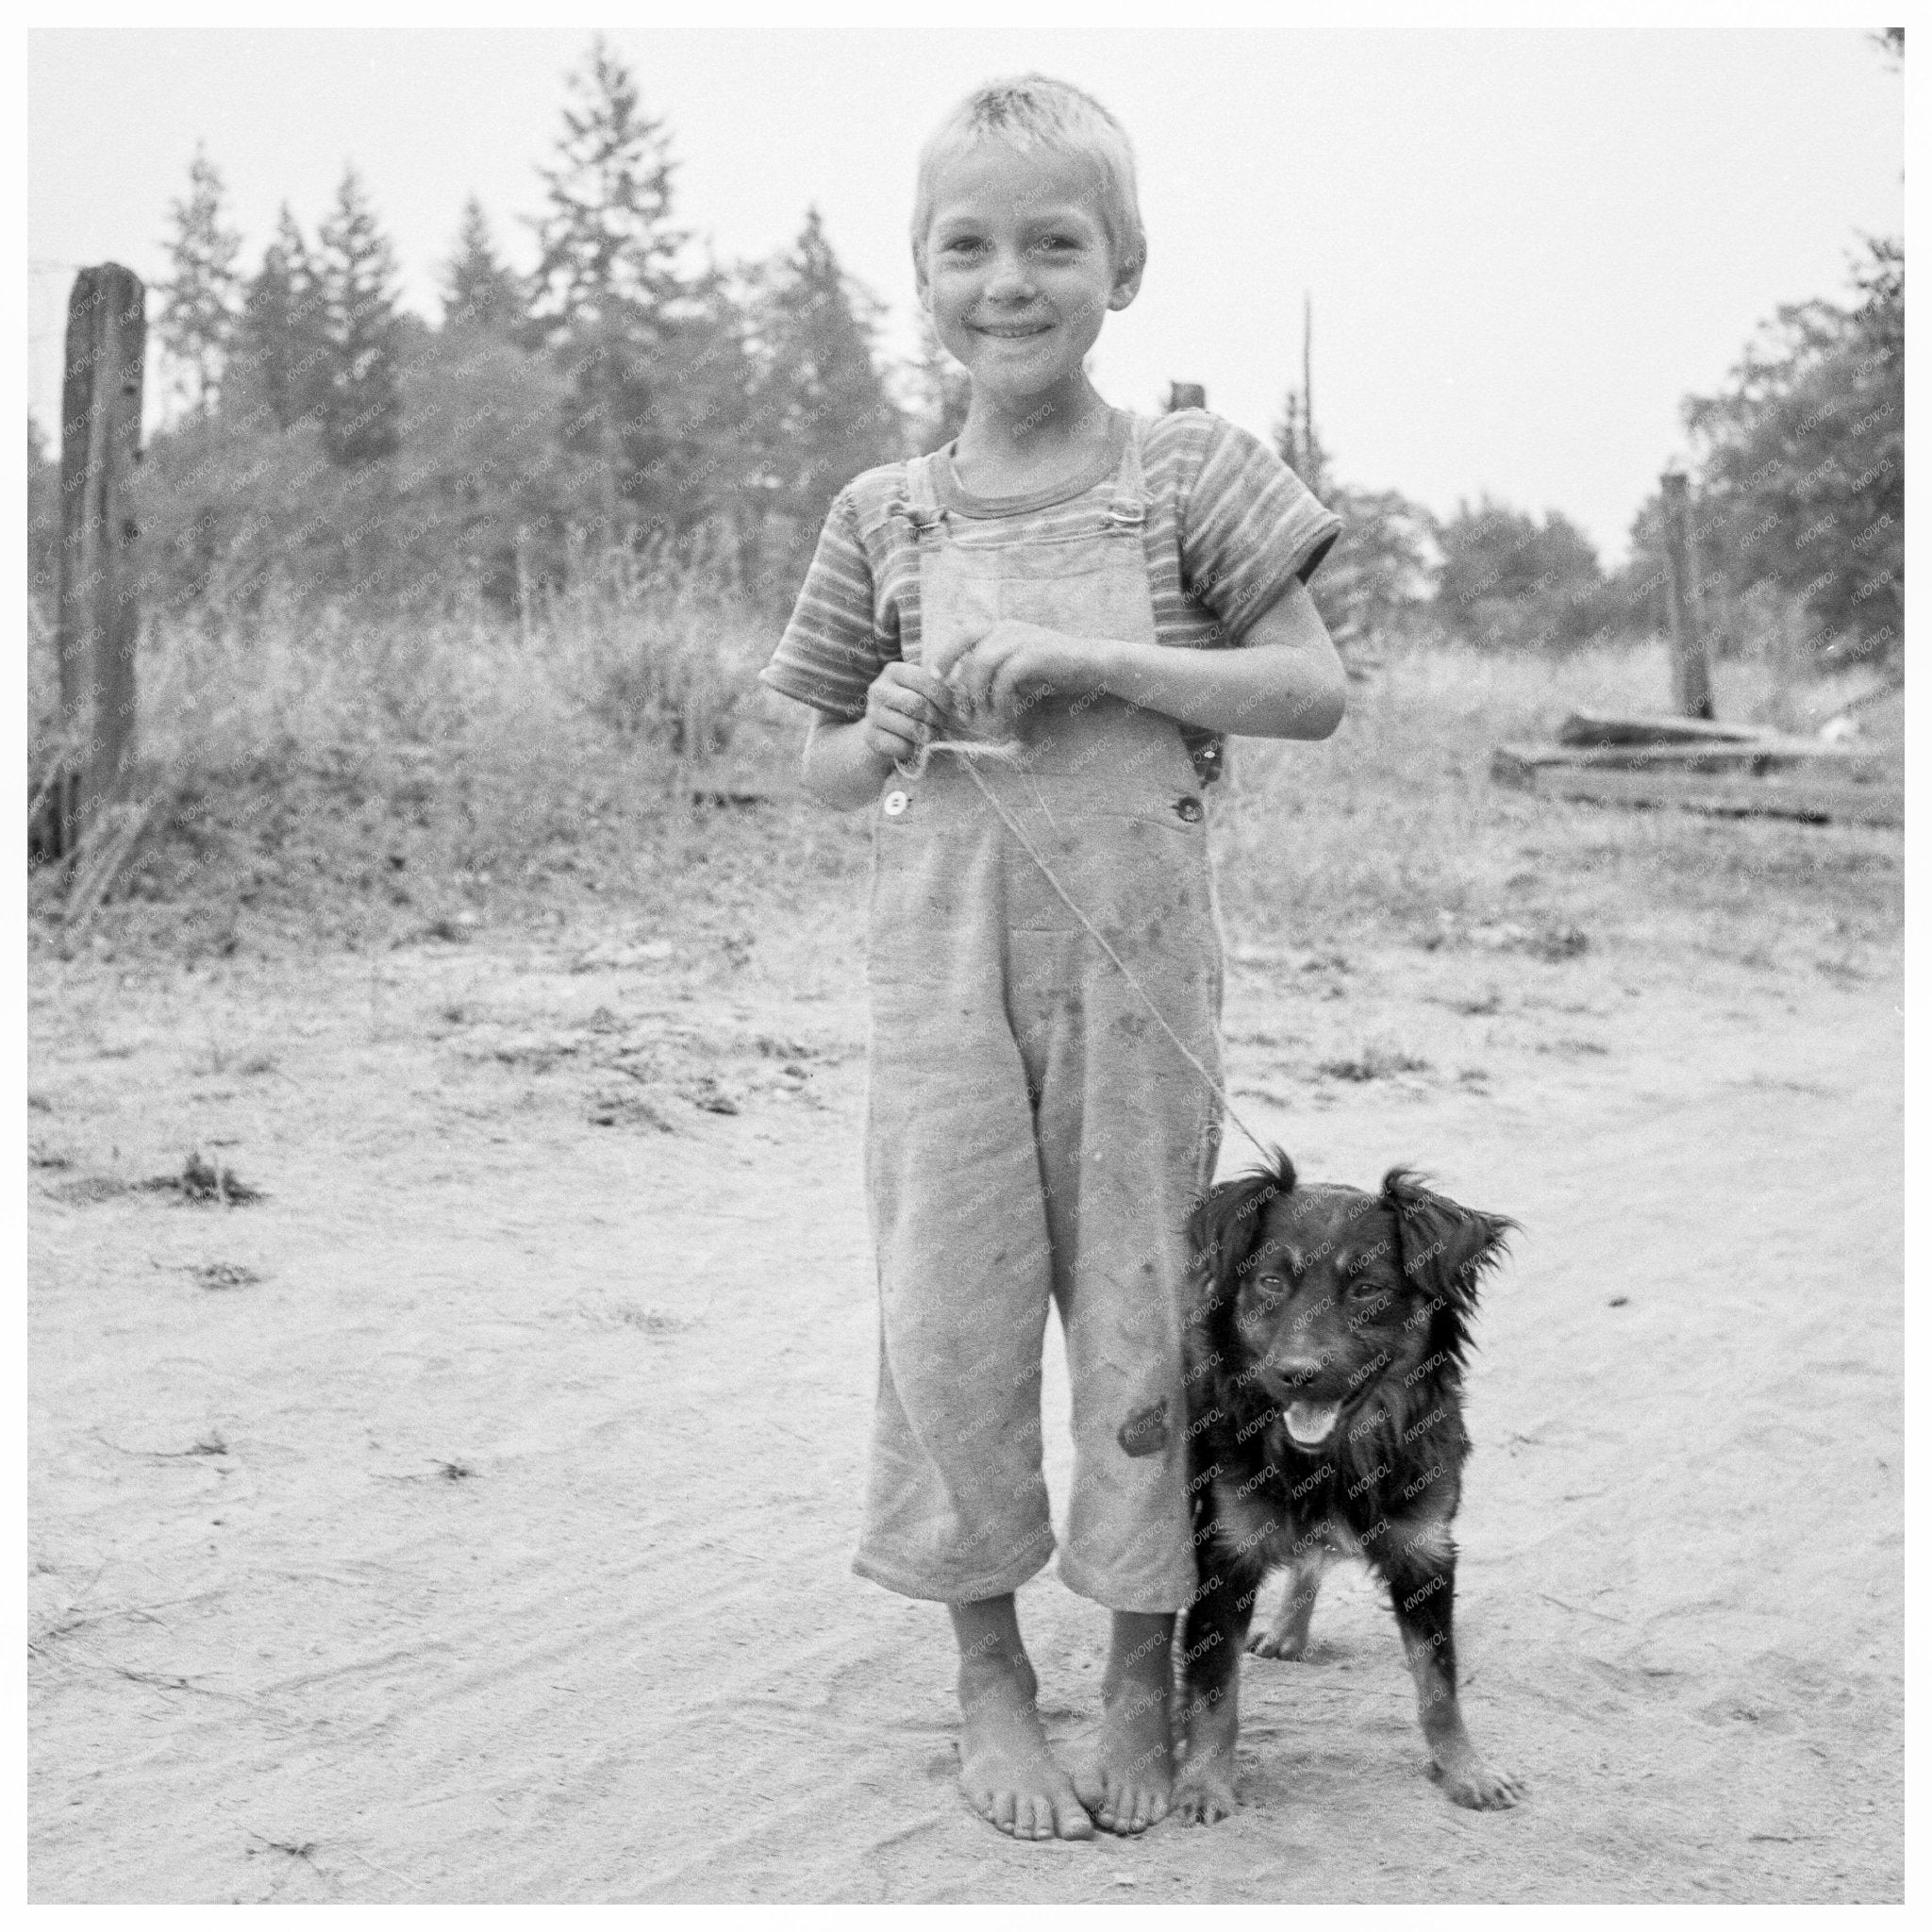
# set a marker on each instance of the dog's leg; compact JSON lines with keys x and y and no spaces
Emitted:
{"x":1211,"y":1661}
{"x":1422,"y":1580}
{"x":1289,"y":1638}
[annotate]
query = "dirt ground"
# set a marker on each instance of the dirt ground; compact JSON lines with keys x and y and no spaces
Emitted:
{"x":467,"y":1516}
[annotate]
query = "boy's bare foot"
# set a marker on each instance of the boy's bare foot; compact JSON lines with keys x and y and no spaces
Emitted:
{"x":1128,"y":1783}
{"x":1005,"y":1768}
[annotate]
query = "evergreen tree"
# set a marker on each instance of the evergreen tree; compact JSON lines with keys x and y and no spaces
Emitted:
{"x":478,"y":290}
{"x":608,"y":297}
{"x":822,"y":413}
{"x":940,"y":391}
{"x":360,"y":408}
{"x":283,"y":348}
{"x":199,"y":294}
{"x":43,"y":515}
{"x":1300,"y":447}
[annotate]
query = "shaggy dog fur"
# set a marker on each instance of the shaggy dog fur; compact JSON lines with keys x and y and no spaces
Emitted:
{"x":1324,"y":1361}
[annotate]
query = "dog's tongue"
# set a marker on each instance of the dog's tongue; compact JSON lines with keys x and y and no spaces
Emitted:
{"x":1310,"y":1422}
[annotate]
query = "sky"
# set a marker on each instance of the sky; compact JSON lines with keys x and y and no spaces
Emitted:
{"x":1522,"y":248}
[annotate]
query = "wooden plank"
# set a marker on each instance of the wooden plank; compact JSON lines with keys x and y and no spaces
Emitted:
{"x":97,"y":608}
{"x":1834,"y":760}
{"x":1589,"y":728}
{"x":1817,"y":800}
{"x":1690,"y":667}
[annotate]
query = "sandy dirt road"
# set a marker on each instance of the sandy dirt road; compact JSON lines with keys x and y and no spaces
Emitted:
{"x":469,"y":1518}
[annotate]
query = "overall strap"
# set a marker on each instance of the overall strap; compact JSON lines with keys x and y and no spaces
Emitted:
{"x":921,"y":502}
{"x":1130,"y":498}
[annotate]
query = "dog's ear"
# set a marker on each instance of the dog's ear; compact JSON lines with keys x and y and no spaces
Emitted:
{"x":1224,"y":1227}
{"x":1445,"y":1247}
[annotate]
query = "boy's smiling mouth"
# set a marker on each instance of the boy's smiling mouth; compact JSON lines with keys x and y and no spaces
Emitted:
{"x":1012,"y":330}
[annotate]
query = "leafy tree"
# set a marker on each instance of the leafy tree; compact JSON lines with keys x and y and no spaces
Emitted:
{"x":356,"y":278}
{"x":1379,"y":576}
{"x":282,"y":358}
{"x":199,"y":294}
{"x":1802,"y":482}
{"x":1507,"y":579}
{"x":608,"y":297}
{"x":478,"y":290}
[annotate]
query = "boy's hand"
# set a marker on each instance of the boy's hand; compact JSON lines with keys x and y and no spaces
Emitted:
{"x":1015,"y":660}
{"x":906,"y":704}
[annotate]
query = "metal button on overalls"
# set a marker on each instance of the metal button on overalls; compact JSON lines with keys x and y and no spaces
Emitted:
{"x":1032,"y":1132}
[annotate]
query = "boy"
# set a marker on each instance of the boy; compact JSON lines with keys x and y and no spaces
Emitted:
{"x":1043,"y":954}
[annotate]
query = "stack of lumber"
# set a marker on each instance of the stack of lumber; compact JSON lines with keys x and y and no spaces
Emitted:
{"x":1731,"y":770}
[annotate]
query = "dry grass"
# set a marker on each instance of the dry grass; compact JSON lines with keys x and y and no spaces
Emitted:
{"x":1394,"y":826}
{"x":366,"y":784}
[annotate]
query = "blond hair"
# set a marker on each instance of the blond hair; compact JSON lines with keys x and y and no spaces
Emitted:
{"x":1033,"y":112}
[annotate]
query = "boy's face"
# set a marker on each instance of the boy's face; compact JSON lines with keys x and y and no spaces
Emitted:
{"x":1015,"y":269}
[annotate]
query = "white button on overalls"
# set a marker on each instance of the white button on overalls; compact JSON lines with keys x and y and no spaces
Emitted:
{"x":895,"y":803}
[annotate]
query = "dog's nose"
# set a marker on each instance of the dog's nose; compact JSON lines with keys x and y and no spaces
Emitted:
{"x":1296,"y":1369}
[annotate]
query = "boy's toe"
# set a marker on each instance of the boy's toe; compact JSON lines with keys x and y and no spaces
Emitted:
{"x":1073,"y":1820}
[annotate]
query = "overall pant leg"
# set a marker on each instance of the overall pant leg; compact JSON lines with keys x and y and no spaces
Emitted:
{"x":1127,"y":1132}
{"x":955,"y":1506}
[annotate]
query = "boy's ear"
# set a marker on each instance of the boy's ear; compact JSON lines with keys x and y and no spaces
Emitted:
{"x":1127,"y":286}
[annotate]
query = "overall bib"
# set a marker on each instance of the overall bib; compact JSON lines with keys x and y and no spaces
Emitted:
{"x":1031,"y":1131}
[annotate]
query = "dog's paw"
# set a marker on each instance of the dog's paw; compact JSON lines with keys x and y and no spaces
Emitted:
{"x":1289,"y":1649}
{"x":1204,"y":1796}
{"x":1477,"y":1788}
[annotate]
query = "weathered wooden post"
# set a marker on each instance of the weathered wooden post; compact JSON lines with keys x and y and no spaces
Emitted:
{"x":1186,"y":395}
{"x":98,"y":608}
{"x":1690,"y":669}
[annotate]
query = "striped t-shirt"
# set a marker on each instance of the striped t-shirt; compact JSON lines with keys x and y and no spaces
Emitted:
{"x":1229,"y":526}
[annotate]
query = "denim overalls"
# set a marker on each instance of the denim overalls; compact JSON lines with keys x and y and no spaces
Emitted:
{"x":1031,"y":1130}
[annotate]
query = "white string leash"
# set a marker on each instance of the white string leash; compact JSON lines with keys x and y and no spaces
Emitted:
{"x":1027,"y":844}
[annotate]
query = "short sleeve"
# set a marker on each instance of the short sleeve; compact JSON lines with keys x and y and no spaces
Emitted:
{"x":828,"y":655}
{"x":1249,"y":528}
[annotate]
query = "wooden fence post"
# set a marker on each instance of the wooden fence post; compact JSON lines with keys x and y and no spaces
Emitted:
{"x":1690,"y":669}
{"x":1186,"y":395}
{"x":98,"y":605}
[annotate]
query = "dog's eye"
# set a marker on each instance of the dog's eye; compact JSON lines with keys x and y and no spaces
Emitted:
{"x":1363,"y":1290}
{"x":1269,"y":1286}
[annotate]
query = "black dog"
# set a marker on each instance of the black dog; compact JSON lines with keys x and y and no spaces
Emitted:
{"x":1324,"y":1361}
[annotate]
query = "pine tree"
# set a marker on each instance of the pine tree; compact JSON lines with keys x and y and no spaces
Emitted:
{"x":478,"y":290}
{"x":199,"y":295}
{"x":361,"y":408}
{"x":283,"y":350}
{"x":822,"y":412}
{"x":608,"y":297}
{"x":939,"y":389}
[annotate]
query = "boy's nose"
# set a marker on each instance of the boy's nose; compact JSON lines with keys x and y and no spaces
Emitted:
{"x":1010,"y":279}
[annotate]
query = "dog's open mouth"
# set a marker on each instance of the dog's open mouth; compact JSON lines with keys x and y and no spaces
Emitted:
{"x":1312,"y":1422}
